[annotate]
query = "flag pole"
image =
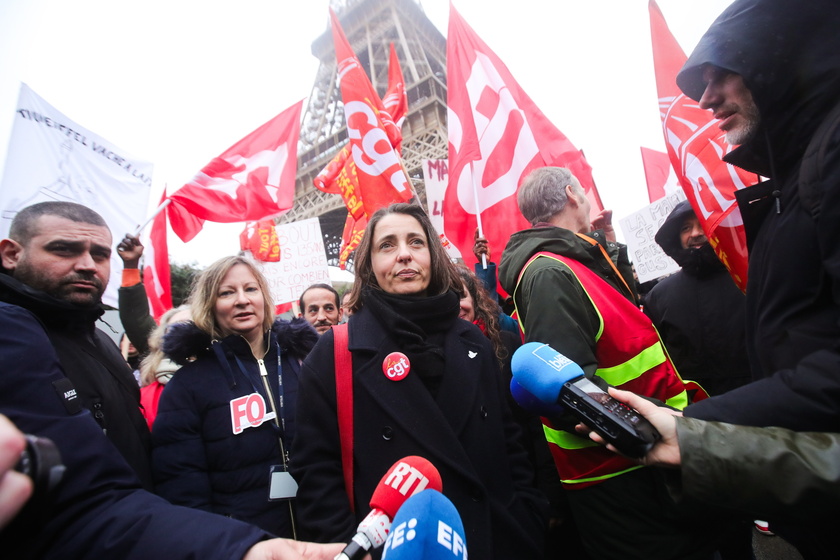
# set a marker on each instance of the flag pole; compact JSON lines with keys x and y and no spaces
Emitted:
{"x":160,"y":208}
{"x":478,"y":216}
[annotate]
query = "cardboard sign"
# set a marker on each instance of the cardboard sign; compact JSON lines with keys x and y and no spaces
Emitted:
{"x":639,"y":230}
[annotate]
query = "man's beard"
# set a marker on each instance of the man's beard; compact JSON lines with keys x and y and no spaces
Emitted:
{"x":61,"y":289}
{"x":743,"y":134}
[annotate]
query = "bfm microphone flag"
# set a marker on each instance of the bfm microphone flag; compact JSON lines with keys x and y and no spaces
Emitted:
{"x":252,"y":180}
{"x":380,"y":177}
{"x":696,"y":146}
{"x":497,"y":135}
{"x":426,"y":527}
{"x":156,"y":273}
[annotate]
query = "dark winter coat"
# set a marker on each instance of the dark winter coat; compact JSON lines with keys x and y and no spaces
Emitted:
{"x":138,"y":323}
{"x":467,"y":433}
{"x":94,"y":364}
{"x":98,"y":510}
{"x":789,"y":57}
{"x":197,"y":459}
{"x":699,"y":313}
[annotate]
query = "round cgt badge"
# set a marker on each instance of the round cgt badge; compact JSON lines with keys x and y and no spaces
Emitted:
{"x":396,"y":366}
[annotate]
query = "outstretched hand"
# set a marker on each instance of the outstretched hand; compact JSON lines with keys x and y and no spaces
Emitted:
{"x":285,"y":549}
{"x":130,"y":250}
{"x":666,"y":452}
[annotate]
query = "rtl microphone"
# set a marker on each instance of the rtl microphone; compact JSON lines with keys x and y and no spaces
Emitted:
{"x":553,"y":378}
{"x":427,"y":527}
{"x":406,"y":477}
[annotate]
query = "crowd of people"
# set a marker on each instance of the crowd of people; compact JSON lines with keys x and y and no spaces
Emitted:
{"x":235,"y":433}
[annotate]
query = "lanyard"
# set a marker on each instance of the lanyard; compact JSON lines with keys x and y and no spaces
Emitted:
{"x":277,"y":407}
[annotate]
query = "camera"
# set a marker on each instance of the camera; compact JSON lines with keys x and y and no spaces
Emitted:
{"x":41,"y":461}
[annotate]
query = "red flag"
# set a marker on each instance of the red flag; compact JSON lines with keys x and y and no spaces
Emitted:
{"x":696,"y":146}
{"x":396,"y":98}
{"x":497,"y":135}
{"x":350,"y":239}
{"x":372,"y":132}
{"x":156,"y":274}
{"x":261,"y":239}
{"x":659,"y":174}
{"x":254,"y":179}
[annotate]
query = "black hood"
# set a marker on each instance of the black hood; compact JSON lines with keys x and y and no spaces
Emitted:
{"x":184,"y":341}
{"x":700,"y":262}
{"x":788,"y":54}
{"x":668,"y":236}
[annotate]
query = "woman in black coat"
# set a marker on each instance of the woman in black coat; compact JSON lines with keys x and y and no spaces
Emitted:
{"x":450,"y":407}
{"x":226,"y":421}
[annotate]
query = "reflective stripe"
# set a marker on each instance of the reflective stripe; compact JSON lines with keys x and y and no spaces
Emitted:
{"x":636,"y":366}
{"x":603,"y":477}
{"x":679,"y":401}
{"x":565,"y":440}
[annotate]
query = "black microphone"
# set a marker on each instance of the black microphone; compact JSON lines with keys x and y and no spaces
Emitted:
{"x":553,"y":378}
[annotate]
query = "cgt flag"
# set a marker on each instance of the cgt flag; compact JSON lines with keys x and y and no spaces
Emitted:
{"x":497,"y":135}
{"x":252,"y":180}
{"x":696,"y":146}
{"x":373,"y":134}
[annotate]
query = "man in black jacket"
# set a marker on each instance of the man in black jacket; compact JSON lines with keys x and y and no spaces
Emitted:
{"x":56,"y":264}
{"x":698,"y":310}
{"x":769,"y":70}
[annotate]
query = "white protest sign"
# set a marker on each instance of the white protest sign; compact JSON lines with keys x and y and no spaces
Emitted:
{"x":436,"y":178}
{"x":51,"y":157}
{"x":303,"y":261}
{"x":639,"y":230}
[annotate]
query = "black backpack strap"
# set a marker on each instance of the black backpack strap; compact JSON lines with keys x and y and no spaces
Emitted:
{"x":810,"y":172}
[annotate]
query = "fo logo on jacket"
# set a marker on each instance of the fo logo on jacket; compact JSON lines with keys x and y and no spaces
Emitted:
{"x":248,"y":412}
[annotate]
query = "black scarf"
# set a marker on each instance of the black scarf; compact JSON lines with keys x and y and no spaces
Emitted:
{"x":419,"y":326}
{"x":700,"y":263}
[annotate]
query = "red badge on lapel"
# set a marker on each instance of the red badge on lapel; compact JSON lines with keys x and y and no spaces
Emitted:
{"x":396,"y":366}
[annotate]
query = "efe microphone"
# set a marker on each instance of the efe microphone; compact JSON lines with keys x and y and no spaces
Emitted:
{"x":427,"y":527}
{"x":406,"y":477}
{"x":553,"y":378}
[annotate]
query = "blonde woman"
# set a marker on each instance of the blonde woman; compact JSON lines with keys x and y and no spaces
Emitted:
{"x":227,"y":420}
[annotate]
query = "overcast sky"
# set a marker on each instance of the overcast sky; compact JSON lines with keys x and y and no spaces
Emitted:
{"x":176,"y":82}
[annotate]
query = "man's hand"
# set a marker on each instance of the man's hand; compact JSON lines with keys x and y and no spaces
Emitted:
{"x":666,"y":452}
{"x":285,"y":549}
{"x":15,"y":487}
{"x":604,"y":221}
{"x":130,"y":250}
{"x":480,"y":247}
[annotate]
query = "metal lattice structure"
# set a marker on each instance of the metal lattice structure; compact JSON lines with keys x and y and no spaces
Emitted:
{"x":371,"y":26}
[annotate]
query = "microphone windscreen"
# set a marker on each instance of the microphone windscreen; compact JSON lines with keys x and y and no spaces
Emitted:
{"x":427,"y":527}
{"x":405,"y":478}
{"x":532,"y":404}
{"x":541,"y":370}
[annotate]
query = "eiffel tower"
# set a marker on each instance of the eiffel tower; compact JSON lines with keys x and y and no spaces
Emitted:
{"x":371,"y":26}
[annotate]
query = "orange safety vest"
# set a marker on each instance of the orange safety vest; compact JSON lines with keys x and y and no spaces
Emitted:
{"x":630,"y":356}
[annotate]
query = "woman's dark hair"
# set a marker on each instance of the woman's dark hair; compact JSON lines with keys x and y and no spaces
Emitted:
{"x":443,"y":275}
{"x":486,"y":310}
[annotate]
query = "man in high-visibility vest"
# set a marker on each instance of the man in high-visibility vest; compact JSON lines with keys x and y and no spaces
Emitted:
{"x":573,"y":290}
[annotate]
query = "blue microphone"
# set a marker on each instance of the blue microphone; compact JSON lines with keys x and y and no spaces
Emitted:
{"x":426,"y":527}
{"x":542,"y":371}
{"x":529,"y":403}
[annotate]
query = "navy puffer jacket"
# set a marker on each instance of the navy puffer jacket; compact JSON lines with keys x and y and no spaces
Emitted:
{"x":199,"y":460}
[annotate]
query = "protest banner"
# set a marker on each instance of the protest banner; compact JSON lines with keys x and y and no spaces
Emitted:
{"x":436,"y":179}
{"x":639,"y":229}
{"x":52,"y":158}
{"x":303,"y":261}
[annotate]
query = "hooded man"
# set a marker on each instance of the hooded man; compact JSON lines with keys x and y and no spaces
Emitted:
{"x":698,"y":311}
{"x":769,"y":70}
